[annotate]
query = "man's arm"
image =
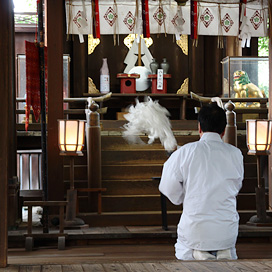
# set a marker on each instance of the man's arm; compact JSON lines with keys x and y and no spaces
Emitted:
{"x":171,"y":184}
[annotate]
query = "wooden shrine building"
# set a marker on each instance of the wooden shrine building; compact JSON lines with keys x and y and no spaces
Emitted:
{"x":127,"y":193}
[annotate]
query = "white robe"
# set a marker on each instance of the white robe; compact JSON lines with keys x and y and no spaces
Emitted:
{"x":206,"y":177}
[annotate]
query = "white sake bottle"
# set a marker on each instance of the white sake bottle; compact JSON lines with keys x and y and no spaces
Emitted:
{"x":104,"y":77}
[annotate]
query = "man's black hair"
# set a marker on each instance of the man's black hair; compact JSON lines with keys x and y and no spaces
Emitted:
{"x":212,"y":118}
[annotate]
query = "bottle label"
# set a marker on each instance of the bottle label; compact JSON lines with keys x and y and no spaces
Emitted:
{"x":104,"y":83}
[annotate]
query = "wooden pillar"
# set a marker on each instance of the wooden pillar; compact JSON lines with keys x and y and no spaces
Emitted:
{"x":196,"y":66}
{"x":233,"y":47}
{"x":6,"y":91}
{"x":54,"y":34}
{"x":270,"y":105}
{"x":80,"y":66}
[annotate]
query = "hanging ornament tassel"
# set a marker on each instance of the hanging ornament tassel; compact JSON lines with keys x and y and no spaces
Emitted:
{"x":194,"y":22}
{"x":136,"y":27}
{"x":115,"y":26}
{"x":220,"y":41}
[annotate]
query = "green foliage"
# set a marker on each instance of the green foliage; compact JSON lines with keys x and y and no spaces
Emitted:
{"x":265,"y":89}
{"x":31,"y":4}
{"x":263,"y":47}
{"x":24,"y":12}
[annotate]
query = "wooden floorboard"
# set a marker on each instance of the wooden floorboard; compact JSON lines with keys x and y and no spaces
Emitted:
{"x":254,"y":252}
{"x":253,"y":257}
{"x":188,"y":266}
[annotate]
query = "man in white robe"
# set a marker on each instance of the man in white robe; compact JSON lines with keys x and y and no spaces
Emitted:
{"x":206,"y":177}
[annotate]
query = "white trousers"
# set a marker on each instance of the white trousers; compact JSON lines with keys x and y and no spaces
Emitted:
{"x":185,"y":254}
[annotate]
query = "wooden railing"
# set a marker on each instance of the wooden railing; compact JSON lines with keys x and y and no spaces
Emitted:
{"x":77,"y":106}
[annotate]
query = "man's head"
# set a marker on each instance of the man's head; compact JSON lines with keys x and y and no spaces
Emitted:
{"x":212,"y":118}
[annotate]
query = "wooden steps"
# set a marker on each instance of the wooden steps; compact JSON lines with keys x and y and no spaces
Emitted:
{"x":132,"y":196}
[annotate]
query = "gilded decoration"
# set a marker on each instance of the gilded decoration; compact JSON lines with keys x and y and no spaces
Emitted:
{"x":184,"y":88}
{"x":183,"y":44}
{"x":128,"y":41}
{"x":92,"y":43}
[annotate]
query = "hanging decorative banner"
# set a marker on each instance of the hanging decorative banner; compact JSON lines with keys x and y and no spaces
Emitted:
{"x":229,"y":19}
{"x":257,"y":16}
{"x":125,"y":18}
{"x":79,"y":17}
{"x":218,"y":19}
{"x":113,"y":17}
{"x":33,"y":80}
{"x":179,"y":19}
{"x":208,"y":19}
{"x":159,"y":16}
{"x":161,"y":19}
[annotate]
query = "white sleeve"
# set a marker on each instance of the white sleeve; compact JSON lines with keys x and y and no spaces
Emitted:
{"x":241,"y":169}
{"x":171,"y":184}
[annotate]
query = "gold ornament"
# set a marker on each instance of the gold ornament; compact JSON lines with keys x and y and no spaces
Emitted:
{"x":183,"y":44}
{"x":243,"y":88}
{"x":92,"y":43}
{"x":91,"y":86}
{"x":129,"y":39}
{"x":184,"y":88}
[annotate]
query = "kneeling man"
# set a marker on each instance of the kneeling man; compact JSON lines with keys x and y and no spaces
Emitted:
{"x":205,"y":176}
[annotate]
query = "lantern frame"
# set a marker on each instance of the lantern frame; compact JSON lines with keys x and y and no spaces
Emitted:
{"x":262,"y":147}
{"x":259,"y":144}
{"x":74,"y":147}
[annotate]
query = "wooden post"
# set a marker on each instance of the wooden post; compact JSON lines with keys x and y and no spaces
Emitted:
{"x":270,"y":105}
{"x":93,"y":153}
{"x":55,"y":35}
{"x":43,"y":113}
{"x":233,"y":46}
{"x":6,"y":90}
{"x":231,"y":128}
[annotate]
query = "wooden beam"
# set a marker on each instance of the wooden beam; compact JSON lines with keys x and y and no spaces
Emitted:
{"x":6,"y":90}
{"x":54,"y":33}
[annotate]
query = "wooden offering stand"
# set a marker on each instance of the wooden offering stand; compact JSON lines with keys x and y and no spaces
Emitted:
{"x":154,"y":83}
{"x":128,"y":82}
